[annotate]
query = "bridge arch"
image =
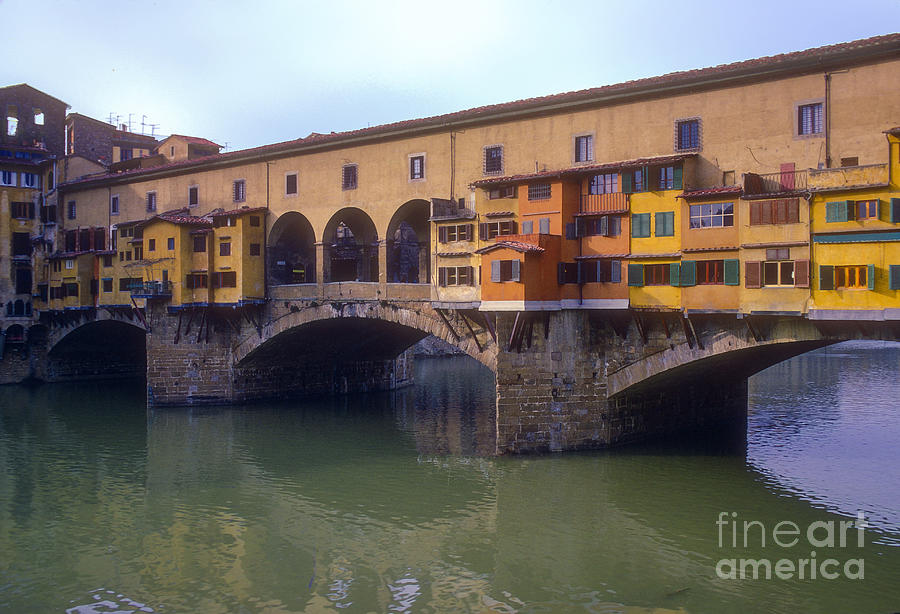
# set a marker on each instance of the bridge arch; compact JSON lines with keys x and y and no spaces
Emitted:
{"x":99,"y":348}
{"x":408,"y":242}
{"x":374,"y":330}
{"x":292,"y":250}
{"x":350,"y":241}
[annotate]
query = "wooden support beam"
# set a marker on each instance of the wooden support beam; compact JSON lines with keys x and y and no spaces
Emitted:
{"x":490,"y":327}
{"x":471,"y":330}
{"x":140,"y":315}
{"x":694,"y":332}
{"x":178,"y":329}
{"x":514,"y":332}
{"x":640,"y":326}
{"x":687,"y":332}
{"x":448,"y":325}
{"x":756,"y":335}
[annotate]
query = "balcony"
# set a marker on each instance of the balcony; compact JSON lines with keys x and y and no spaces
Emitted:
{"x":443,"y":209}
{"x":774,"y":183}
{"x":615,"y":202}
{"x":152,"y":289}
{"x":848,"y":177}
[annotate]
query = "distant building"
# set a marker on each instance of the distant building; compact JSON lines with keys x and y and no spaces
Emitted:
{"x":102,"y":142}
{"x":179,"y":147}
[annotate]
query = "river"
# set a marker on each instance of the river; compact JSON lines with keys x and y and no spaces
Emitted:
{"x":389,"y":503}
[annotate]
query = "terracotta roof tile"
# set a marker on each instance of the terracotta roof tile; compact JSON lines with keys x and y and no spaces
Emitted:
{"x":730,"y":190}
{"x":519,"y":246}
{"x":453,"y":254}
{"x":193,"y":140}
{"x":238,"y":211}
{"x":498,"y":214}
{"x":573,"y":171}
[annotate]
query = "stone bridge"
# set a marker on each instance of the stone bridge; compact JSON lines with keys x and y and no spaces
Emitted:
{"x":565,"y":380}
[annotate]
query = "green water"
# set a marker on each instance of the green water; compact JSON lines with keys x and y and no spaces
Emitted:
{"x":385,"y":503}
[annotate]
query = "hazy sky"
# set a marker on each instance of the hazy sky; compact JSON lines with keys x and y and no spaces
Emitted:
{"x":255,"y":72}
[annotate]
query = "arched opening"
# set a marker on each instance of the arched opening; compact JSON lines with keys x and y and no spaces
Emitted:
{"x":409,"y":244}
{"x":351,"y":247}
{"x":292,"y":250}
{"x":97,"y":350}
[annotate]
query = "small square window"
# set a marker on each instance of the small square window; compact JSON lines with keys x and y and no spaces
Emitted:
{"x":584,"y":148}
{"x":240,"y":191}
{"x":687,"y":134}
{"x":810,"y":118}
{"x":254,"y":249}
{"x":290,"y":184}
{"x":493,"y":160}
{"x":151,"y":245}
{"x":349,"y":177}
{"x":199,"y":243}
{"x":416,"y":167}
{"x":225,"y":249}
{"x":254,"y":220}
{"x":170,"y":243}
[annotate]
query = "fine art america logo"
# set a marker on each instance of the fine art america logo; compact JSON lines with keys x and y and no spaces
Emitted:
{"x":841,"y":536}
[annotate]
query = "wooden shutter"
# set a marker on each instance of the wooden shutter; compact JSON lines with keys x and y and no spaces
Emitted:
{"x":801,"y":273}
{"x":838,"y":211}
{"x":604,"y":226}
{"x":580,"y":272}
{"x":467,"y":232}
{"x":894,"y":281}
{"x":753,"y":274}
{"x":675,"y":274}
{"x":826,"y":277}
{"x":580,"y":227}
{"x":516,"y":270}
{"x":895,"y":210}
{"x":495,"y":271}
{"x":765,"y":212}
{"x":781,"y":216}
{"x":615,"y":271}
{"x":635,"y":274}
{"x":688,"y":273}
{"x":31,"y":210}
{"x":544,"y":225}
{"x":442,"y":276}
{"x":527,"y":227}
{"x":627,"y":183}
{"x":870,"y":277}
{"x":561,"y":273}
{"x":793,"y":211}
{"x":678,"y":175}
{"x":483,"y":231}
{"x":755,"y":216}
{"x":442,"y":234}
{"x":570,"y":230}
{"x":787,"y":176}
{"x":732,"y":272}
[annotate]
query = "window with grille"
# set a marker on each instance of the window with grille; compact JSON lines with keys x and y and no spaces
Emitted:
{"x":493,"y":160}
{"x":349,"y":177}
{"x":151,"y":201}
{"x":687,"y":134}
{"x":254,"y":249}
{"x":584,"y":148}
{"x":416,"y":167}
{"x":539,"y":191}
{"x":714,"y":215}
{"x":239,"y":190}
{"x":225,"y":248}
{"x":199,"y":243}
{"x":809,"y":118}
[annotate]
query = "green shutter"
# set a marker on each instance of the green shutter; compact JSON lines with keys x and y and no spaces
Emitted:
{"x":674,"y":274}
{"x":870,"y":277}
{"x":895,"y":210}
{"x":665,"y":223}
{"x":688,"y":273}
{"x":826,"y":277}
{"x":838,"y":211}
{"x":635,"y":274}
{"x":640,"y":225}
{"x":732,"y":272}
{"x":627,"y":182}
{"x":645,"y":179}
{"x":678,"y":177}
{"x":895,"y":276}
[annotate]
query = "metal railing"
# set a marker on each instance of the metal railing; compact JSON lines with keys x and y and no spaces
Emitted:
{"x":603,"y":203}
{"x":450,"y":209}
{"x":775,"y":183}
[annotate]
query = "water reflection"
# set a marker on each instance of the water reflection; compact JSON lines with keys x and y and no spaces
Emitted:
{"x":383,"y":503}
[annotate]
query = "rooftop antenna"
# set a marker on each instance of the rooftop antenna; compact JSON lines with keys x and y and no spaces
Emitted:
{"x":153,"y":128}
{"x":226,"y":145}
{"x":143,"y":123}
{"x":110,"y":118}
{"x":129,"y":122}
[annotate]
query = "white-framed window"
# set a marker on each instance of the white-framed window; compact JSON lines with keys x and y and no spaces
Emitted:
{"x":151,"y":201}
{"x":12,"y":120}
{"x":713,"y":215}
{"x":239,"y":190}
{"x":114,"y":204}
{"x":38,"y":117}
{"x":31,"y":180}
{"x":493,"y":160}
{"x":70,"y":264}
{"x":291,"y":183}
{"x":417,"y":167}
{"x":8,"y":178}
{"x":584,"y":148}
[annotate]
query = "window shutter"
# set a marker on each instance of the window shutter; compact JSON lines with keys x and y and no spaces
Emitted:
{"x":753,"y":274}
{"x":678,"y":172}
{"x":635,"y":274}
{"x":580,"y":229}
{"x":544,"y":225}
{"x":627,"y":183}
{"x":895,"y":210}
{"x":467,"y":231}
{"x":495,"y":271}
{"x":732,"y":272}
{"x":604,"y":226}
{"x":31,"y":210}
{"x":579,"y":272}
{"x":675,"y":274}
{"x":755,"y":217}
{"x":766,"y":213}
{"x":601,"y":272}
{"x":871,"y":276}
{"x":442,"y":234}
{"x":561,"y":273}
{"x":877,"y":208}
{"x":801,"y":273}
{"x":793,"y":211}
{"x":838,"y":211}
{"x":442,"y":276}
{"x":831,"y":212}
{"x":516,"y":270}
{"x":826,"y":277}
{"x":470,"y":276}
{"x":482,"y":232}
{"x":527,"y":227}
{"x":688,"y":273}
{"x":781,"y":212}
{"x":615,"y":271}
{"x":570,"y":230}
{"x":894,"y":277}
